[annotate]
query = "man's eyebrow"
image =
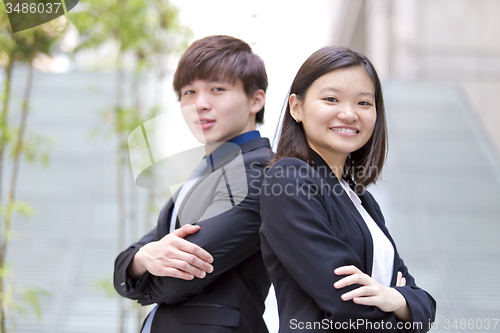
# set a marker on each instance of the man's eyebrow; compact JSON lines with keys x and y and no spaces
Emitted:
{"x":219,"y":81}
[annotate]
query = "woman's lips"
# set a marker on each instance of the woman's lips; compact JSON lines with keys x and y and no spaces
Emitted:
{"x":347,"y":132}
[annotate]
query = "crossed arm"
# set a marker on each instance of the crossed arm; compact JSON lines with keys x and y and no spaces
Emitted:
{"x":173,"y":268}
{"x":172,"y":256}
{"x":299,"y":233}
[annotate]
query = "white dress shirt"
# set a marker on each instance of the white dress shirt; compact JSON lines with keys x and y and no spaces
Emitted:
{"x":383,"y":252}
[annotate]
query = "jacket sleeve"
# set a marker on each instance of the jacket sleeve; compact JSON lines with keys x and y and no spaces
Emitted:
{"x":124,"y":285}
{"x":230,"y":237}
{"x":296,"y":226}
{"x":421,"y":303}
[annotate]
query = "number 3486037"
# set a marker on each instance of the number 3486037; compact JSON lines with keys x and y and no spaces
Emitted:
{"x":32,"y":7}
{"x":466,"y":324}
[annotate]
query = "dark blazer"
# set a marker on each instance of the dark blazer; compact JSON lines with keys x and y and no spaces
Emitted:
{"x":231,"y":299}
{"x":308,"y":230}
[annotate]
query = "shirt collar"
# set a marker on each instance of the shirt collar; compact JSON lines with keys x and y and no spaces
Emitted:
{"x":224,"y":152}
{"x":244,"y":137}
{"x":354,"y":197}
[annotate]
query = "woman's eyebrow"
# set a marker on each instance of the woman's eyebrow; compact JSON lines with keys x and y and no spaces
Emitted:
{"x":367,"y":94}
{"x":326,"y":89}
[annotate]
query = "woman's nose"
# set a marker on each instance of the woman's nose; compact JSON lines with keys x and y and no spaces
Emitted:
{"x":347,"y":113}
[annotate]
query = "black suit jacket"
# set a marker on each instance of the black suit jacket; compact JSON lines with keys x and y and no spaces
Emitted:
{"x":231,"y":298}
{"x":308,"y":230}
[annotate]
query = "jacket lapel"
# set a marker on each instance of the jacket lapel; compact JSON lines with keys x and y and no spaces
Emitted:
{"x":164,"y":227}
{"x":221,"y":156}
{"x":370,"y":208}
{"x":325,"y":171}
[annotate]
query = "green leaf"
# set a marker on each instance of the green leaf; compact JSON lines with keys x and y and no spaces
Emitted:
{"x":6,"y":270}
{"x":106,"y":284}
{"x":31,"y":296}
{"x":23,"y":208}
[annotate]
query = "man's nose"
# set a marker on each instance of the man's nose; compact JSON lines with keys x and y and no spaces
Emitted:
{"x":202,"y":102}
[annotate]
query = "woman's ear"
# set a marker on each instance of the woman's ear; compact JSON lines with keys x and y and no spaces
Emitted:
{"x":295,"y":108}
{"x":258,"y":101}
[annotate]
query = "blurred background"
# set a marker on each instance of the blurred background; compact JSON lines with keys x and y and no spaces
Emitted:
{"x":73,"y":89}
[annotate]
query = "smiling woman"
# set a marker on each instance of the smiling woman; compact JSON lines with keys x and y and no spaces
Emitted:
{"x":328,"y":252}
{"x":338,"y":113}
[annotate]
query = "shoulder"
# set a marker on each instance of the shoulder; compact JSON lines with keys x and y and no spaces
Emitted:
{"x":259,"y":157}
{"x":292,"y":180}
{"x":368,"y":199}
{"x":258,"y":151}
{"x":292,"y":169}
{"x":368,"y":196}
{"x":288,"y":163}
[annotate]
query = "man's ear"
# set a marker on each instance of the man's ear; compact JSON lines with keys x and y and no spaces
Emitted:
{"x":258,"y":101}
{"x":295,"y":107}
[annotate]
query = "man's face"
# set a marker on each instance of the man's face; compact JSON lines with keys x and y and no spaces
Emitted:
{"x":217,"y":111}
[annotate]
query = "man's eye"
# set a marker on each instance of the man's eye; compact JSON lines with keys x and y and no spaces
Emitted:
{"x":188,"y":92}
{"x":331,"y":99}
{"x":219,"y":89}
{"x":364,"y":103}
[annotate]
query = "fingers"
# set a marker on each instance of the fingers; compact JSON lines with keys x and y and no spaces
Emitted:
{"x":170,"y":261}
{"x":195,"y":250}
{"x":371,"y":292}
{"x":344,"y":270}
{"x":174,"y":272}
{"x":365,"y":300}
{"x":385,"y":298}
{"x":176,"y":257}
{"x":358,"y":292}
{"x":183,"y":265}
{"x":400,"y":281}
{"x":188,"y":229}
{"x":357,"y":278}
{"x":192,"y":264}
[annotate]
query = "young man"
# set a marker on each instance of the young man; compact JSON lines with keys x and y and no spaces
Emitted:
{"x":209,"y":277}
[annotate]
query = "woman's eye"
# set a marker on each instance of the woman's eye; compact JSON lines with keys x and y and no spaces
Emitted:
{"x":219,"y":89}
{"x":188,"y":92}
{"x":364,"y":103}
{"x":331,"y":99}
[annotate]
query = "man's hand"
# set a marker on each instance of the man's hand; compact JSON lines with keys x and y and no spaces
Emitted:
{"x":173,"y":256}
{"x":373,"y":293}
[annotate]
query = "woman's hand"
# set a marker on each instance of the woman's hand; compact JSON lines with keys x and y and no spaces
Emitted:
{"x":400,"y":281}
{"x":373,"y":293}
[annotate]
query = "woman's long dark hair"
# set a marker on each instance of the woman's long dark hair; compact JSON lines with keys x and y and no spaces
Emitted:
{"x":362,"y":166}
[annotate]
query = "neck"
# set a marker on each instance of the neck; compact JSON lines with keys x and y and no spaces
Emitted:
{"x":335,"y":161}
{"x":211,"y":146}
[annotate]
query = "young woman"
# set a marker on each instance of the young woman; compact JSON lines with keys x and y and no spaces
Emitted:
{"x":333,"y":262}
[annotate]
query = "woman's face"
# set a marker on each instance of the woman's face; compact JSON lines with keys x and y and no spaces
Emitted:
{"x":338,"y":112}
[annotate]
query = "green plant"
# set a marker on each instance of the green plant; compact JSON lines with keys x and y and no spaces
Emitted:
{"x":15,"y":142}
{"x":148,"y":31}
